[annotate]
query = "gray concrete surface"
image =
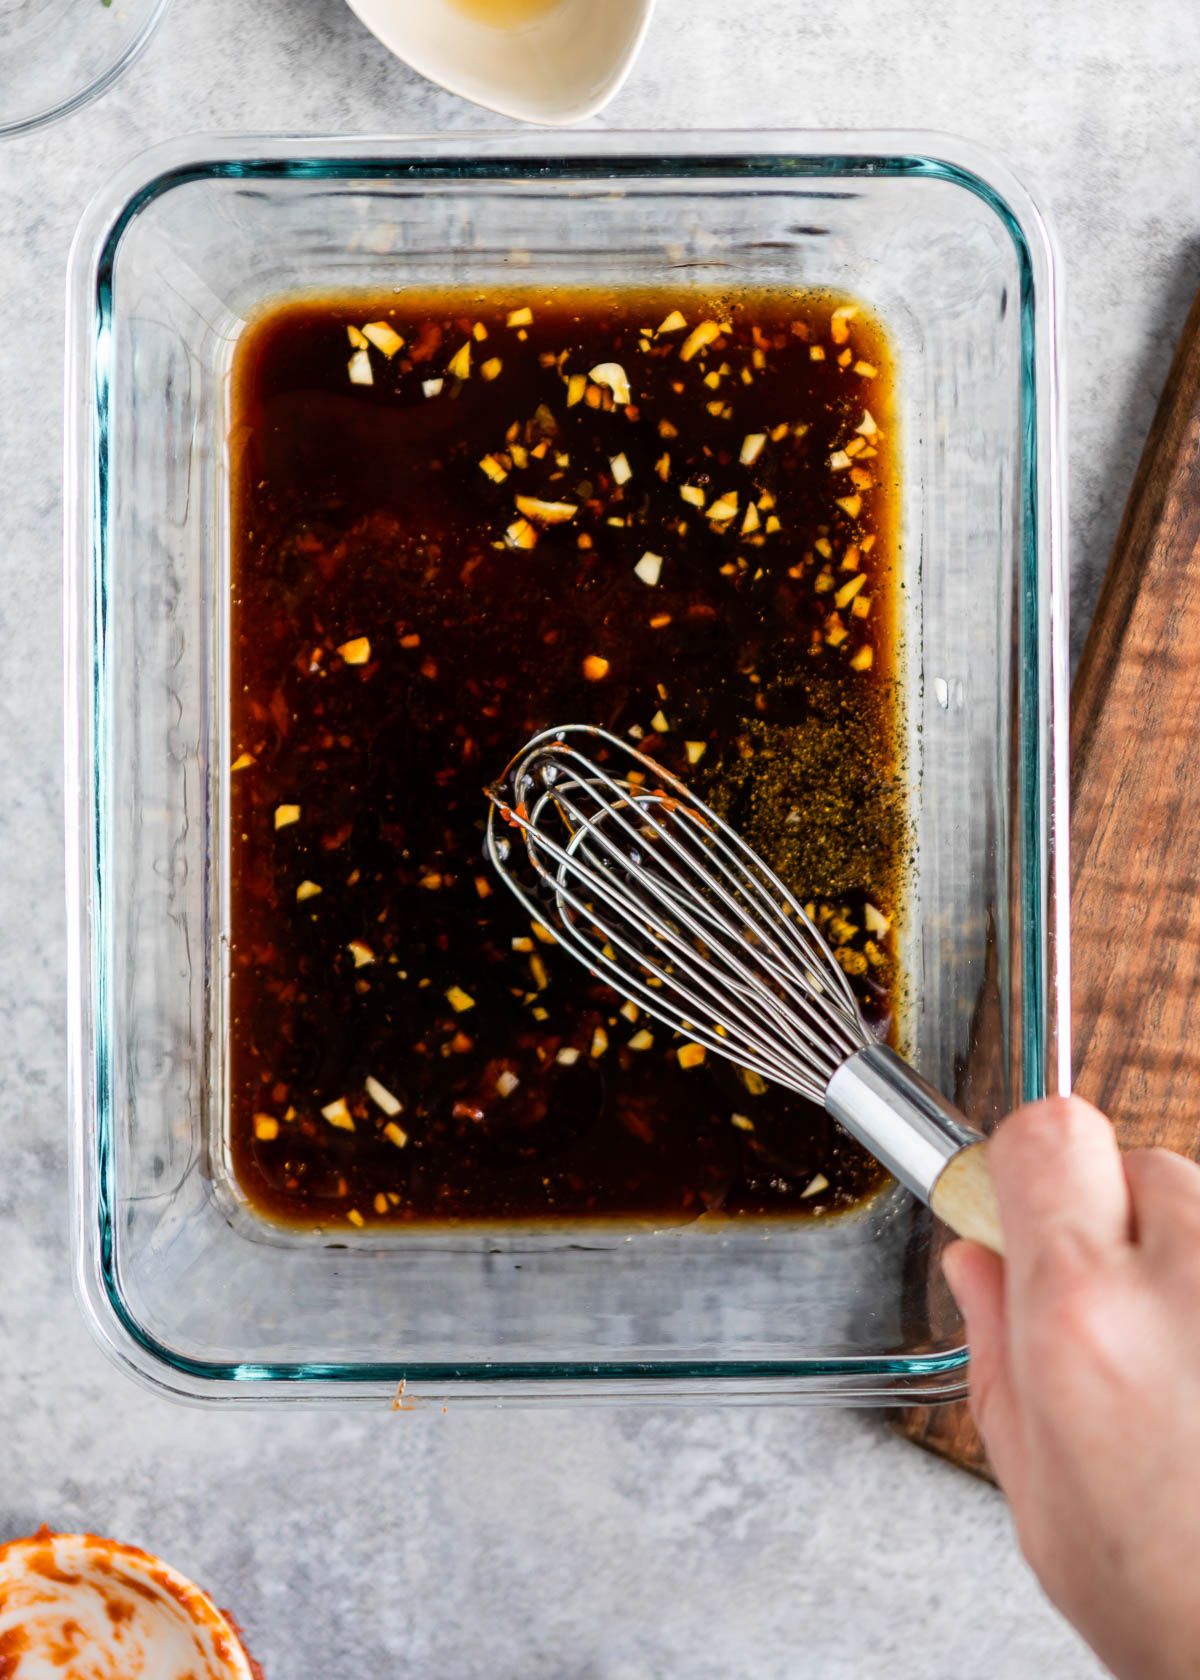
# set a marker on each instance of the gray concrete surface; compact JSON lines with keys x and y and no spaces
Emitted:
{"x":586,"y":1545}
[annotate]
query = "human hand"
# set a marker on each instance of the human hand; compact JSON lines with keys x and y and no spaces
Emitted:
{"x":1085,"y":1378}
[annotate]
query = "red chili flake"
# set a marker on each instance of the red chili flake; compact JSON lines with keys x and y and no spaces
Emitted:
{"x":426,"y":343}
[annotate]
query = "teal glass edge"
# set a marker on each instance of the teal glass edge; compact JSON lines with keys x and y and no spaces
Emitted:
{"x":1030,"y":769}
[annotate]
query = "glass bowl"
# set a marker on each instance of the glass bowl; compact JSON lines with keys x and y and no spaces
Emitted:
{"x":55,"y":55}
{"x":185,"y":1285}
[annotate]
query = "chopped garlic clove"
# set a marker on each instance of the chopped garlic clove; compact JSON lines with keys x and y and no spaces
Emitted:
{"x":698,"y":338}
{"x":613,"y":375}
{"x":385,"y":338}
{"x":546,"y":513}
{"x":339,"y":1115}
{"x":459,"y":365}
{"x":382,"y":1097}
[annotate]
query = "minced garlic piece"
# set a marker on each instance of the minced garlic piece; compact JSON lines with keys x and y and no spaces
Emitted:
{"x":750,"y":521}
{"x":491,"y":368}
{"x":674,"y":322}
{"x":356,"y":1218}
{"x":338,"y":1115}
{"x":698,"y":338}
{"x":695,"y":750}
{"x":815,"y":1185}
{"x":875,"y":919}
{"x":595,"y":667}
{"x":599,"y":1043}
{"x":752,"y":448}
{"x":507,"y":1083}
{"x":546,"y":513}
{"x":567,"y":1057}
{"x":849,"y":590}
{"x":357,"y":339}
{"x":432,"y":387}
{"x":306,"y":889}
{"x":621,"y":470}
{"x":851,"y":506}
{"x":865,"y":369}
{"x":266,"y":1128}
{"x":381,"y":1096}
{"x":357,"y":651}
{"x":385,"y":338}
{"x":576,"y":386}
{"x":649,"y":568}
{"x":692,"y":493}
{"x":520,"y":317}
{"x":395,"y":1134}
{"x":459,"y":1000}
{"x":642,"y":1040}
{"x":659,"y":723}
{"x":863,"y":659}
{"x":359,"y":369}
{"x":690,"y":1055}
{"x":521,"y":534}
{"x":494,"y":470}
{"x":361,"y":952}
{"x":286,"y":815}
{"x":839,"y":328}
{"x":629,"y":1010}
{"x":459,"y":365}
{"x":724,"y":508}
{"x":243,"y":761}
{"x":743,"y":1122}
{"x":866,"y":426}
{"x":613,"y":375}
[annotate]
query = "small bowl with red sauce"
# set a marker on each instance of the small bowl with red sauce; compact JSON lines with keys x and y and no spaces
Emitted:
{"x":382,"y":456}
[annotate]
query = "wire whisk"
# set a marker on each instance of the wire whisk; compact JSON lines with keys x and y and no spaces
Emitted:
{"x":654,"y":893}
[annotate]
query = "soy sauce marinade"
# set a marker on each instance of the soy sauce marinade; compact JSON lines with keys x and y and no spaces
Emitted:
{"x":458,"y":520}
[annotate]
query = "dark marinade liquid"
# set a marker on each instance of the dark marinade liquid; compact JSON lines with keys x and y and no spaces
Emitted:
{"x":402,"y":1046}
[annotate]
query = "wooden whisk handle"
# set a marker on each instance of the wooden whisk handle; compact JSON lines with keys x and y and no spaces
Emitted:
{"x":964,"y":1198}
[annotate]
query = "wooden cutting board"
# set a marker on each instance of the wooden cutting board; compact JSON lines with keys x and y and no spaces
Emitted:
{"x":1135,"y":824}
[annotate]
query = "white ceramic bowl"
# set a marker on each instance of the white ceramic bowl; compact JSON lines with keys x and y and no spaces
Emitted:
{"x":540,"y":61}
{"x":76,"y":1607}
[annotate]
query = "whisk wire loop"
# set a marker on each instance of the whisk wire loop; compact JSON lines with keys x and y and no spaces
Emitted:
{"x":646,"y":885}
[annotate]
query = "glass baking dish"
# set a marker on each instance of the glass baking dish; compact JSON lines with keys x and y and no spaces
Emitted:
{"x":185,"y":1285}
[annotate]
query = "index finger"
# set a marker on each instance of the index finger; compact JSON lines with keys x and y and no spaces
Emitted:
{"x":1060,"y":1182}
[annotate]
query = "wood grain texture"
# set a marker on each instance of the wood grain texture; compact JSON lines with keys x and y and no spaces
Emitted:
{"x":1135,"y":825}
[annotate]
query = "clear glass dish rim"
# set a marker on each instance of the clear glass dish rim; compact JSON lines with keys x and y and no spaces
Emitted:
{"x":112,"y":72}
{"x":1042,"y":746}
